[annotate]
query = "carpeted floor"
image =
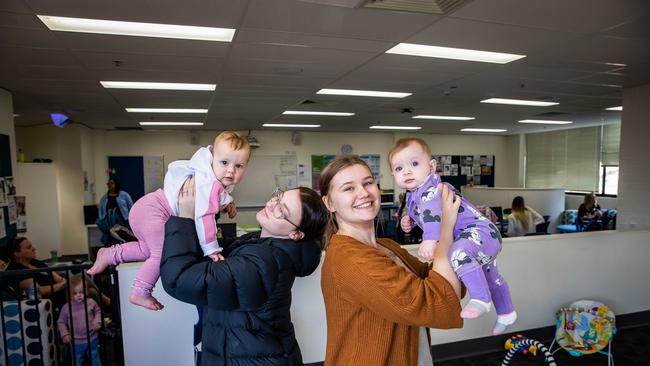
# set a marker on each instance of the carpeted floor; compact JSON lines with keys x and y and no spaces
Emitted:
{"x":631,"y":347}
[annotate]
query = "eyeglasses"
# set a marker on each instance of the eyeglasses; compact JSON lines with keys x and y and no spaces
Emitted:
{"x":280,"y":209}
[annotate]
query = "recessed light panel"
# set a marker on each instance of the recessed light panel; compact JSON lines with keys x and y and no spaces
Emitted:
{"x":166,"y":110}
{"x":545,"y":122}
{"x":84,"y":25}
{"x":412,"y":49}
{"x":395,"y":127}
{"x":364,"y":93}
{"x":449,"y":118}
{"x":535,"y":103}
{"x":483,"y":130}
{"x":289,"y":125}
{"x":313,"y":113}
{"x":156,"y":86}
{"x":171,"y":123}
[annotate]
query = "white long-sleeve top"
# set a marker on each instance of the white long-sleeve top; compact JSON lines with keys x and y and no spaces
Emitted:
{"x":516,"y":227}
{"x":210,"y":195}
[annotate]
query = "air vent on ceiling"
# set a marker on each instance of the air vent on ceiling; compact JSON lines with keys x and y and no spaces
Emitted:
{"x":417,"y":6}
{"x":128,"y":128}
{"x":551,"y":114}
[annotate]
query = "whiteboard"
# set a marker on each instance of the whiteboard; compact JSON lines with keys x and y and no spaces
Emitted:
{"x":263,"y":174}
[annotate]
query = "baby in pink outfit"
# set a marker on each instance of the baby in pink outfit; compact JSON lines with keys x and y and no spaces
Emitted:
{"x":215,"y":168}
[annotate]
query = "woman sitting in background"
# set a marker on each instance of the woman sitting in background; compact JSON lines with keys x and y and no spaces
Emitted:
{"x":22,"y":255}
{"x":523,"y":219}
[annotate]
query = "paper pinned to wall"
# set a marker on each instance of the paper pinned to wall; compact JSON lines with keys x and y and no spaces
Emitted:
{"x":154,"y":170}
{"x":263,"y":174}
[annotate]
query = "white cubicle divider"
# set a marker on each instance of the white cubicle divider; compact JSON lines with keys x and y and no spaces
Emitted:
{"x":548,"y":201}
{"x":155,"y":338}
{"x":544,"y":273}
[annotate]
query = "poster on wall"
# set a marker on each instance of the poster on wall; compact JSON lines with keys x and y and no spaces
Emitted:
{"x":302,"y":173}
{"x":21,"y":212}
{"x":3,"y":193}
{"x":373,"y":162}
{"x":3,"y":231}
{"x":446,"y":169}
{"x":11,"y":211}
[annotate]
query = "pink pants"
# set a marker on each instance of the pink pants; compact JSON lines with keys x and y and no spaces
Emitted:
{"x":147,"y":219}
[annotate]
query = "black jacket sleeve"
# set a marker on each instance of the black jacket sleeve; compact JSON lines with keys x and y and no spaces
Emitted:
{"x":243,"y":281}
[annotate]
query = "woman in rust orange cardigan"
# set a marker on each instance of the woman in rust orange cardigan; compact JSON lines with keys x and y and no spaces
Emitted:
{"x":379,"y":299}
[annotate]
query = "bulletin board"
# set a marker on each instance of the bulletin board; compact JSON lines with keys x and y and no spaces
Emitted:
{"x":459,"y":169}
{"x":8,"y":213}
{"x":319,"y":162}
{"x":263,"y":174}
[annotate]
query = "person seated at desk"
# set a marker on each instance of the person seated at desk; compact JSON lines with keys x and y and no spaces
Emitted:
{"x":591,"y":216}
{"x":22,"y":255}
{"x":523,"y":219}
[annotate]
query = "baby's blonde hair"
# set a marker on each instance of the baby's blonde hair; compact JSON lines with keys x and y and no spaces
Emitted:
{"x":405,"y":142}
{"x":235,"y":140}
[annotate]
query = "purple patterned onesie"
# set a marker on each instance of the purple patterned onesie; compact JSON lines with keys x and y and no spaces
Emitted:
{"x":477,"y":242}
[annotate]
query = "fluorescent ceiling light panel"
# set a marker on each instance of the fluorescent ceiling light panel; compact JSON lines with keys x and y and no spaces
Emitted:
{"x":156,"y":86}
{"x":364,"y":93}
{"x":412,"y":49}
{"x":450,"y":118}
{"x":166,"y":110}
{"x":545,"y":122}
{"x":620,"y":108}
{"x":483,"y":130}
{"x":171,"y":123}
{"x":83,"y":25}
{"x":16,"y":115}
{"x":535,"y":103}
{"x":311,"y":113}
{"x":396,"y":127}
{"x":289,"y":125}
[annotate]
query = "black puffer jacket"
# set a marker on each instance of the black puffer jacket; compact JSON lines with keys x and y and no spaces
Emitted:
{"x":246,"y":297}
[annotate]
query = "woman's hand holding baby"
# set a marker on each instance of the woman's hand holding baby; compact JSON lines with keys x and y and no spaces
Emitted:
{"x":186,"y":199}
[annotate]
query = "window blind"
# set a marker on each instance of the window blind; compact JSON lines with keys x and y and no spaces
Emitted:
{"x":568,"y":159}
{"x":610,"y":144}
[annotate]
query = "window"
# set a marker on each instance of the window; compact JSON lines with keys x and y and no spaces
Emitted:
{"x":609,"y":147}
{"x":579,"y":160}
{"x":568,"y":159}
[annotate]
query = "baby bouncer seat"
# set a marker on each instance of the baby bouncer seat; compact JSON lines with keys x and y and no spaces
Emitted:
{"x":585,"y":327}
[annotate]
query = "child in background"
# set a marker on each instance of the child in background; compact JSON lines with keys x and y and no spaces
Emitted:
{"x":477,"y":241}
{"x":215,"y":168}
{"x":73,"y":318}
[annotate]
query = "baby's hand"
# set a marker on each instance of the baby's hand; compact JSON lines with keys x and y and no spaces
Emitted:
{"x":67,"y":339}
{"x":406,"y":223}
{"x":97,"y":327}
{"x":216,"y":256}
{"x":426,"y":249}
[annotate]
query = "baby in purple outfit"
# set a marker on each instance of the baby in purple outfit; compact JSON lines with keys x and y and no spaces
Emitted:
{"x":477,"y":241}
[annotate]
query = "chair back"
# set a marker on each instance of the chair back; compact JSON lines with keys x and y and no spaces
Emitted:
{"x":497,"y":211}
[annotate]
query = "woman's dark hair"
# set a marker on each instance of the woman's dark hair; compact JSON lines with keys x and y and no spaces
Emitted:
{"x":314,"y":215}
{"x":118,"y":185}
{"x":332,"y":169}
{"x":12,"y":247}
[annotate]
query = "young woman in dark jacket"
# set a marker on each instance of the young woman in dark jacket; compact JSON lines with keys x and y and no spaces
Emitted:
{"x":247,"y":295}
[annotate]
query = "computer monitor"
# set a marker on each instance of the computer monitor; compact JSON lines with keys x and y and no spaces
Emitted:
{"x":91,"y":214}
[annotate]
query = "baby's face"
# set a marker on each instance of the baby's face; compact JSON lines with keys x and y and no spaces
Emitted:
{"x":78,"y":293}
{"x":228,"y":164}
{"x":411,"y":167}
